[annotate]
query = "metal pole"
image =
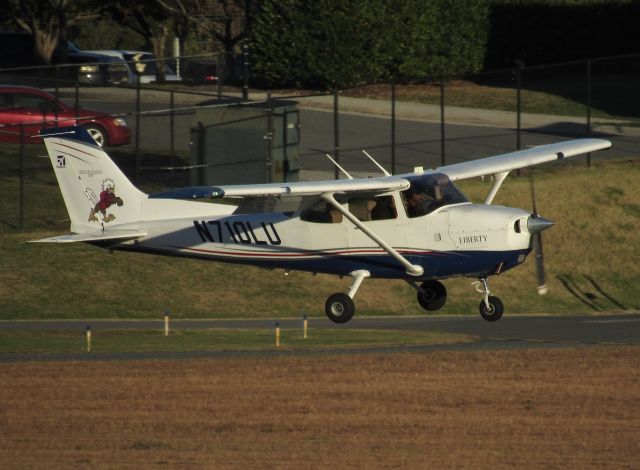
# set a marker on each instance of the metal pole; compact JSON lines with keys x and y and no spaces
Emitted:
{"x":57,"y":93}
{"x":77,"y":100}
{"x":442,"y":135}
{"x":518,"y":104}
{"x":220,"y":74}
{"x":393,"y":127}
{"x":172,"y":131}
{"x":21,"y":175}
{"x":137,"y":143}
{"x":589,"y":107}
{"x":269,"y":139}
{"x":336,"y":133}
{"x":245,"y":72}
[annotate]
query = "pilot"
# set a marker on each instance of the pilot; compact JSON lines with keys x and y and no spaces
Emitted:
{"x":417,"y":205}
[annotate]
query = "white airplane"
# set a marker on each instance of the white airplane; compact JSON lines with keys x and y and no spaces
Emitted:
{"x":417,"y":227}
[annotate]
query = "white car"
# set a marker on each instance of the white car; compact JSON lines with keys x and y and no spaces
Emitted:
{"x":142,"y":64}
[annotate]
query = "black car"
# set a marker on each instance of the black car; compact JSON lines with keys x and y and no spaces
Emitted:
{"x":17,"y":52}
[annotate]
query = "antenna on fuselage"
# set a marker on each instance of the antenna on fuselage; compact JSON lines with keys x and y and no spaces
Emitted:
{"x":386,"y":173}
{"x":339,"y":167}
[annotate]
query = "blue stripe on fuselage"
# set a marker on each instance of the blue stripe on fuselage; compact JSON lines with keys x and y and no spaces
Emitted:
{"x":437,"y":264}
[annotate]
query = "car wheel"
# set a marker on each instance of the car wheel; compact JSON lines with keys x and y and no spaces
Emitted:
{"x":98,"y":134}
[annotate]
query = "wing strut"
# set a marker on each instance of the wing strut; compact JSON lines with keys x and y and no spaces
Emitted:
{"x":412,"y":269}
{"x":499,"y":178}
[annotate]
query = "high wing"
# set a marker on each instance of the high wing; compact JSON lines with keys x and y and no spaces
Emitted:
{"x":307,"y":188}
{"x":496,"y":165}
{"x":522,"y":158}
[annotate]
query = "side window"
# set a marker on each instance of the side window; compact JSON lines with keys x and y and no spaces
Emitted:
{"x":322,"y":213}
{"x":31,"y":101}
{"x":373,"y":208}
{"x":419,"y":203}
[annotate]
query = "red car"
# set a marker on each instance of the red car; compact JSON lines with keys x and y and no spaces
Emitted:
{"x":35,"y":109}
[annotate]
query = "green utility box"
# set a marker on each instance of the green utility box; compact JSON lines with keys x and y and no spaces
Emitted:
{"x":236,"y":142}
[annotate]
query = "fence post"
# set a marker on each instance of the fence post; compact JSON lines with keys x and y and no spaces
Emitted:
{"x":442,"y":125}
{"x":172,"y":133}
{"x":393,"y":127}
{"x":77,"y":100}
{"x":589,"y":107}
{"x":137,"y":143}
{"x":57,"y":94}
{"x":269,"y":138}
{"x":220,"y":74}
{"x":336,"y":133}
{"x":519,"y":66}
{"x":21,"y":175}
{"x":245,"y":72}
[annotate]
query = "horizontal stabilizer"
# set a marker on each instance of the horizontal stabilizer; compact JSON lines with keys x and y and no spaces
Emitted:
{"x":94,"y":236}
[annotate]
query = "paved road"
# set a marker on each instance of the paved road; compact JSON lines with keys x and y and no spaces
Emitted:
{"x":366,"y":124}
{"x":511,"y":332}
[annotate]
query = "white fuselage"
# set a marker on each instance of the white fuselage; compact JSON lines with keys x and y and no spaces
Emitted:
{"x":460,"y":239}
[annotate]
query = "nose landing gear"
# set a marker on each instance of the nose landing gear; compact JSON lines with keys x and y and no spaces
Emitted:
{"x":491,"y":308}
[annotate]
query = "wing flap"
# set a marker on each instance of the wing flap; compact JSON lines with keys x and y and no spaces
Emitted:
{"x":522,"y":158}
{"x":94,"y":236}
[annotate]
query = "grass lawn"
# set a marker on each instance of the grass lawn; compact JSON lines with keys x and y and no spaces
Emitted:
{"x":65,"y":341}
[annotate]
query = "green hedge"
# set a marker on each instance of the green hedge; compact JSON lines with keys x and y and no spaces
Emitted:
{"x":337,"y":44}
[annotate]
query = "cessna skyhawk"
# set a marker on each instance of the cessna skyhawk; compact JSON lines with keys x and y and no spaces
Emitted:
{"x":415,"y":227}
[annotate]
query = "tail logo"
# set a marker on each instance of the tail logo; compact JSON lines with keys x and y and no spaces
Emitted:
{"x":107,"y":199}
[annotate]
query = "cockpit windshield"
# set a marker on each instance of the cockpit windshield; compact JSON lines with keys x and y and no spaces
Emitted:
{"x":430,"y":192}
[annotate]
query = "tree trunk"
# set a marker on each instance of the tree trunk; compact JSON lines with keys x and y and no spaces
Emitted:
{"x":45,"y":44}
{"x":158,"y":42}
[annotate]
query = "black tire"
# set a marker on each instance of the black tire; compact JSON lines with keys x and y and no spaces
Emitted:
{"x":434,"y":297}
{"x":98,"y":133}
{"x":495,"y":310}
{"x":339,"y":308}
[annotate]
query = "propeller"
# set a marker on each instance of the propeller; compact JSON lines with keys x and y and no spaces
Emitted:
{"x":535,"y":225}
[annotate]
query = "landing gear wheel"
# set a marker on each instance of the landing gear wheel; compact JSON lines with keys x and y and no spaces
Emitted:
{"x":495,"y":310}
{"x":434,"y":297}
{"x":339,"y":308}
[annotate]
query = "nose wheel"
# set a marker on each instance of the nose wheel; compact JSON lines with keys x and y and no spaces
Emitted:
{"x":491,"y":308}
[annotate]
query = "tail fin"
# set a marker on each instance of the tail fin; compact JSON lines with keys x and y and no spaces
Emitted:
{"x":94,"y":189}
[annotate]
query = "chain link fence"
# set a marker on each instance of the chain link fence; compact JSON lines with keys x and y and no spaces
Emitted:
{"x":403,"y":126}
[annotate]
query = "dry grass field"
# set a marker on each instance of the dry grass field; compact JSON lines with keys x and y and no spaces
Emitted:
{"x":568,"y":408}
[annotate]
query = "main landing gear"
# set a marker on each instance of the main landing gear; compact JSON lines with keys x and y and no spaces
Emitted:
{"x":340,"y":307}
{"x":491,"y":307}
{"x":432,"y":295}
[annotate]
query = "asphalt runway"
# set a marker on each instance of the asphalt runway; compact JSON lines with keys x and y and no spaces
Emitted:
{"x":511,"y":332}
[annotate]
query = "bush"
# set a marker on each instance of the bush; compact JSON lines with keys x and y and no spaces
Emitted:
{"x":335,"y":44}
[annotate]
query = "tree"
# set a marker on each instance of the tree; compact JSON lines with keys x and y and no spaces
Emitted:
{"x":225,"y":22}
{"x":150,"y":22}
{"x":47,"y":21}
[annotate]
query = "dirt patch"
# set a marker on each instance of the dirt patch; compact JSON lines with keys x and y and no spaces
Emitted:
{"x":558,"y":408}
